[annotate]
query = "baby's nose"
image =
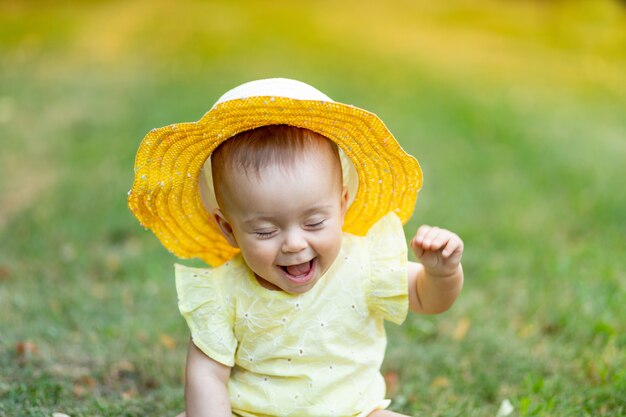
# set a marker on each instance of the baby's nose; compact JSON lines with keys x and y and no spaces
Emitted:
{"x":294,"y":242}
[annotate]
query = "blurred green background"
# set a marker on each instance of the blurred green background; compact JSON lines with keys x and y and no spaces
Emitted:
{"x":515,"y":109}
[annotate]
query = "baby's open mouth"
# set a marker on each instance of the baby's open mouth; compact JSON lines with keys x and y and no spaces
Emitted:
{"x":299,"y":269}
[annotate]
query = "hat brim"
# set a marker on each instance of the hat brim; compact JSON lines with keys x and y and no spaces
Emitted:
{"x":165,"y":196}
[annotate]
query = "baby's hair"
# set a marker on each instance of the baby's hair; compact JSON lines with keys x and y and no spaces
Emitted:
{"x":275,"y":145}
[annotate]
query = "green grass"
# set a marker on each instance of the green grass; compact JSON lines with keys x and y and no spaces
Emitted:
{"x":515,"y":111}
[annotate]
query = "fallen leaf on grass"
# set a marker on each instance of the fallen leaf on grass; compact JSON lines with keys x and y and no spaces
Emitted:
{"x":591,"y":371}
{"x":391,"y":379}
{"x":79,"y":390}
{"x":167,"y":341}
{"x":131,"y":393}
{"x":26,"y":348}
{"x":88,"y":381}
{"x":440,"y":382}
{"x":551,"y":329}
{"x":461,"y":329}
{"x":5,"y":273}
{"x":122,"y":369}
{"x":526,"y":331}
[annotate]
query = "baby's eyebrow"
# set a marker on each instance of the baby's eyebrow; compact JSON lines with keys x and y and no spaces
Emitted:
{"x":323,"y":207}
{"x":253,"y":220}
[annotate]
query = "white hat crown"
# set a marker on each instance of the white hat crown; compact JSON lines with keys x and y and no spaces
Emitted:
{"x":274,"y":87}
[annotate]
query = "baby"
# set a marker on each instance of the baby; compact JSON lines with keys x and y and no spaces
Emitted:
{"x":298,"y":202}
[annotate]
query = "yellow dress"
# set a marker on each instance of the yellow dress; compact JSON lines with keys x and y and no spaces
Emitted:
{"x":314,"y":354}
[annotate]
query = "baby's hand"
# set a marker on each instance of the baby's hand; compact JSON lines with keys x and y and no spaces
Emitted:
{"x":439,"y":250}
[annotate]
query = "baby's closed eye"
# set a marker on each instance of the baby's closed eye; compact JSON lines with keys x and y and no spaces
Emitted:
{"x":315,"y":224}
{"x":265,"y":233}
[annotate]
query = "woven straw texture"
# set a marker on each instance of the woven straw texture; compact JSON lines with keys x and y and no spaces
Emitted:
{"x":165,"y":197}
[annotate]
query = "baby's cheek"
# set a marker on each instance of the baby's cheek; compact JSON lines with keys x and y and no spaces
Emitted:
{"x":332,"y":246}
{"x":256,"y":254}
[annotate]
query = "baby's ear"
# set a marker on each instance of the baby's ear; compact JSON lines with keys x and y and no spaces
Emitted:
{"x":225,"y":227}
{"x":344,"y":202}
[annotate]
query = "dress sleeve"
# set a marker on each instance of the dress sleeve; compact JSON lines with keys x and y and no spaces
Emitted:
{"x":208,"y":312}
{"x":387,"y":287}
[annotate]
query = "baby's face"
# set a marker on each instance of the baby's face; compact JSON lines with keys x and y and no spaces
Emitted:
{"x":287,"y":222}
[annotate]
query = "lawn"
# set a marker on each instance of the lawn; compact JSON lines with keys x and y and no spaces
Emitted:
{"x":515,"y":110}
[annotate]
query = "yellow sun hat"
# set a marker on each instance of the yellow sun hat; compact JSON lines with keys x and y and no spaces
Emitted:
{"x":172,"y":194}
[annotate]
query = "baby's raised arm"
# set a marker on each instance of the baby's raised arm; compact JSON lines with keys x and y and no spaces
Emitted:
{"x":435,"y":283}
{"x":206,"y":385}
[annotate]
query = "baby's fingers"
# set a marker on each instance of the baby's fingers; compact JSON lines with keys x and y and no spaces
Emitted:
{"x":418,"y":239}
{"x":428,"y":238}
{"x":435,"y":239}
{"x":453,"y":246}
